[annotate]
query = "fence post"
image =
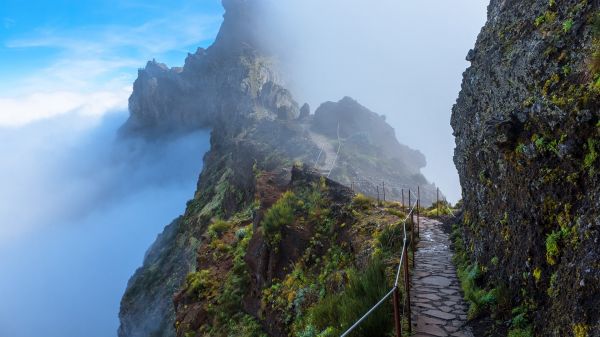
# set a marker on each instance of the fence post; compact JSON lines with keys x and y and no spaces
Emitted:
{"x":384,"y":190}
{"x":397,"y":321}
{"x":352,"y":186}
{"x":437,"y":200}
{"x":402,"y":200}
{"x":418,"y":211}
{"x":412,"y":236}
{"x":377,"y":195}
{"x":407,"y":289}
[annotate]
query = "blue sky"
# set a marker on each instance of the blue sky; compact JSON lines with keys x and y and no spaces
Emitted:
{"x":61,"y":56}
{"x":79,"y":208}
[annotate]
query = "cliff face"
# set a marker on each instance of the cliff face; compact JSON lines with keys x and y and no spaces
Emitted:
{"x":527,"y":137}
{"x":234,"y":87}
{"x":231,"y":80}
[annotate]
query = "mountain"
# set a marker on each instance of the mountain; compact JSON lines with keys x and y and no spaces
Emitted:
{"x":527,"y":128}
{"x":236,"y":89}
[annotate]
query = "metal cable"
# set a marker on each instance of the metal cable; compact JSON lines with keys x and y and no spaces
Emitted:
{"x":368,"y":312}
{"x":402,"y":260}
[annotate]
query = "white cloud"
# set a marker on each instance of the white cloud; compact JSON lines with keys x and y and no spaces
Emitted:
{"x":94,"y":65}
{"x":19,"y":111}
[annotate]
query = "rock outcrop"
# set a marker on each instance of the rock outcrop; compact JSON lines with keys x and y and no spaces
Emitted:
{"x":235,"y":88}
{"x":234,"y":78}
{"x":527,"y":140}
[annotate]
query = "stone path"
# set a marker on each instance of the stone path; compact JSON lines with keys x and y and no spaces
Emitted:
{"x":436,"y":299}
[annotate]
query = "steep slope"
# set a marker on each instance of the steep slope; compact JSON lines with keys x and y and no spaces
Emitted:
{"x":235,"y":88}
{"x":527,"y":140}
{"x":277,"y":267}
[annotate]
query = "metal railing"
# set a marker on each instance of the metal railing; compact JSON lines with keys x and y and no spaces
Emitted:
{"x":402,"y":267}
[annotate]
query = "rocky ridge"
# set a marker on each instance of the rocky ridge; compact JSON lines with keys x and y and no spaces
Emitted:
{"x":235,"y":88}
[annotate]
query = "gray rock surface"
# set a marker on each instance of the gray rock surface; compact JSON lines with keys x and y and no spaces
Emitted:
{"x":526,"y":128}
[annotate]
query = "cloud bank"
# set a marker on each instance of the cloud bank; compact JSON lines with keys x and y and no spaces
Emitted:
{"x":80,"y":207}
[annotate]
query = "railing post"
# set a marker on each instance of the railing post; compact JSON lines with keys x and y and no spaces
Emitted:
{"x":403,"y":200}
{"x":418,"y":211}
{"x":437,"y":200}
{"x":397,"y":321}
{"x":407,"y":290}
{"x":412,"y":236}
{"x":412,"y":227}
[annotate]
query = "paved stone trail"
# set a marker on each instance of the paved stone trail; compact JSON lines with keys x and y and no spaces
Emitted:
{"x":436,"y":299}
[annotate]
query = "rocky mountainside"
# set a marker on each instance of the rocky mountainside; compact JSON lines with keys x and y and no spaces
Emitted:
{"x":235,"y":88}
{"x":527,"y":129}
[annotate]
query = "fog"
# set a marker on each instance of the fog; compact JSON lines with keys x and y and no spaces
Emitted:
{"x":402,"y":59}
{"x":80,"y":207}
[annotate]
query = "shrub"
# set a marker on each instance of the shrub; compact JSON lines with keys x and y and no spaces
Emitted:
{"x":481,"y":300}
{"x":217,"y":228}
{"x":591,"y":156}
{"x":361,"y":201}
{"x":335,"y":313}
{"x":390,"y":238}
{"x":197,"y":283}
{"x":281,"y":214}
{"x":519,"y":325}
{"x":552,"y":247}
{"x":567,"y":25}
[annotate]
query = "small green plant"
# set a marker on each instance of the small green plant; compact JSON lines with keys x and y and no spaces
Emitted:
{"x":281,"y":214}
{"x":567,"y":25}
{"x":198,"y":282}
{"x":537,"y":274}
{"x":362,"y":202}
{"x":217,"y":228}
{"x":521,"y":332}
{"x":591,"y":155}
{"x":364,"y":288}
{"x":552,"y":247}
{"x":390,"y":238}
{"x":519,"y":325}
{"x":580,"y":330}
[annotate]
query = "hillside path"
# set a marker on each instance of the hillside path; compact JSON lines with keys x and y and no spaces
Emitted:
{"x":438,"y":306}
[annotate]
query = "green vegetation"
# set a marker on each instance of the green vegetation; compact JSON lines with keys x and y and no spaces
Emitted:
{"x":519,"y":324}
{"x":552,"y":247}
{"x":362,"y":202}
{"x":546,"y":18}
{"x":567,"y":25}
{"x":197,"y":283}
{"x":483,"y":298}
{"x":217,"y":228}
{"x":580,"y":330}
{"x":438,"y":209}
{"x":591,"y":155}
{"x":363,"y":289}
{"x":325,"y":286}
{"x":281,"y":214}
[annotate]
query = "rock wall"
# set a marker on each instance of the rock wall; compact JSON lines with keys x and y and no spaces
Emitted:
{"x":527,"y":139}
